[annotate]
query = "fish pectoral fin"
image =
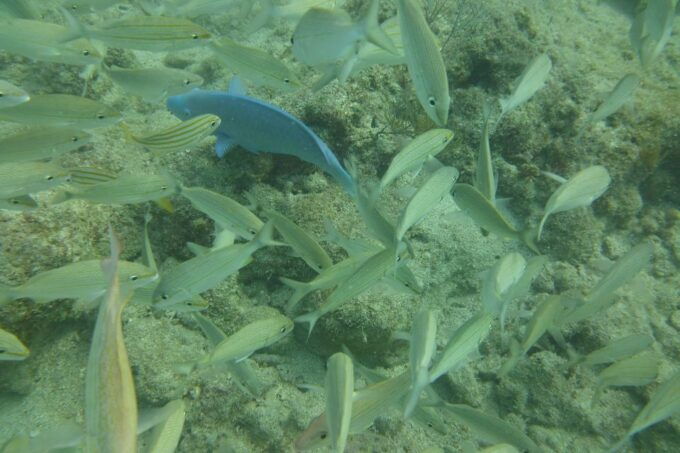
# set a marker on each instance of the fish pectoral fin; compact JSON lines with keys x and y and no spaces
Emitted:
{"x":224,"y":145}
{"x":241,"y":359}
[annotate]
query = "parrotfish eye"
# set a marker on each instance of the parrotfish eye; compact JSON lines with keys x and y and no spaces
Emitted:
{"x":49,"y":177}
{"x":86,"y":53}
{"x":432,"y":101}
{"x":164,"y":296}
{"x":100,"y":116}
{"x":194,"y":36}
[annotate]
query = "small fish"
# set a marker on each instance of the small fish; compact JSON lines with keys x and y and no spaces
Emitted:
{"x":413,"y":155}
{"x":18,"y":203}
{"x":41,"y":41}
{"x":184,"y":135}
{"x":339,"y":396}
{"x":126,"y":189}
{"x":622,"y":93}
{"x":327,"y":278}
{"x":152,"y":84}
{"x":665,"y":402}
{"x":651,"y":29}
{"x":291,"y":11}
{"x":165,"y":436}
{"x":424,"y":62}
{"x":486,"y":215}
{"x":62,"y":110}
{"x":602,"y":295}
{"x":255,"y":65}
{"x":529,"y":82}
{"x":82,"y":280}
{"x":366,"y":276}
{"x":150,"y":33}
{"x":422,"y":348}
{"x":579,"y":191}
{"x":369,"y":403}
{"x":636,"y":371}
{"x":242,"y":118}
{"x":11,"y":348}
{"x":464,"y":341}
{"x":491,"y":428}
{"x":431,"y":193}
{"x":89,"y":176}
{"x":618,"y":349}
{"x":324,"y":36}
{"x":248,"y":339}
{"x":41,"y":142}
{"x":301,"y":241}
{"x":485,"y":178}
{"x":206,"y":271}
{"x":541,"y":321}
{"x":11,"y":95}
{"x":22,"y":178}
{"x":110,"y":401}
{"x":228,"y":214}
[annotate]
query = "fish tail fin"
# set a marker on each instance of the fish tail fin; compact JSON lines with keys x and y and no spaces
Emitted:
{"x":375,"y":34}
{"x":540,"y":226}
{"x":529,"y":237}
{"x":310,"y":318}
{"x":300,"y":290}
{"x":265,"y":237}
{"x":76,"y":30}
{"x":422,"y":378}
{"x":262,"y":18}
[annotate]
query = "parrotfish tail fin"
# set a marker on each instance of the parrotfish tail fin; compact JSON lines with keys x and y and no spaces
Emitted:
{"x":265,"y":237}
{"x":262,"y":18}
{"x":529,"y":237}
{"x":421,"y":380}
{"x":300,"y":290}
{"x":373,"y":32}
{"x":76,"y":30}
{"x":310,"y":318}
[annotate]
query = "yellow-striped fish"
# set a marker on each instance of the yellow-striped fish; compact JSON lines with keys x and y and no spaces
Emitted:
{"x":11,"y":348}
{"x":21,"y":178}
{"x":181,"y":136}
{"x":126,"y":189}
{"x":110,"y":401}
{"x":151,"y":33}
{"x":61,"y":110}
{"x":41,"y":142}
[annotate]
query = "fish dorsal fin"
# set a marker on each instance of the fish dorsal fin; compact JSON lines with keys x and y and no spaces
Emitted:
{"x":237,"y":87}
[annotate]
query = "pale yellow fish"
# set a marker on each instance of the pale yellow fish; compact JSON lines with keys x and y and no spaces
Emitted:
{"x":255,"y":65}
{"x":485,"y":178}
{"x":22,"y":178}
{"x":165,"y":436}
{"x":126,"y":189}
{"x":41,"y":142}
{"x":110,"y":400}
{"x":532,"y":79}
{"x":248,"y":339}
{"x":226,"y":212}
{"x":638,"y":370}
{"x":11,"y":95}
{"x":139,"y":32}
{"x":153,"y":84}
{"x":622,"y":93}
{"x":81,"y":280}
{"x":423,"y":345}
{"x":182,"y":136}
{"x":618,"y":349}
{"x":301,"y":241}
{"x":41,"y":41}
{"x":339,"y":396}
{"x":424,"y":62}
{"x":63,"y":110}
{"x":18,"y":203}
{"x":11,"y":348}
{"x":413,"y":155}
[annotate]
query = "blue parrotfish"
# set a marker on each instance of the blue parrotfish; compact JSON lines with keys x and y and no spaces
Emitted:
{"x":259,"y":127}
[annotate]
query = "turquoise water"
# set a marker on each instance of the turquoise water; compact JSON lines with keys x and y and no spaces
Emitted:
{"x":485,"y":47}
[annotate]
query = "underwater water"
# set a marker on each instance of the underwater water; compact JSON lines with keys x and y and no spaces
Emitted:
{"x":509,"y":282}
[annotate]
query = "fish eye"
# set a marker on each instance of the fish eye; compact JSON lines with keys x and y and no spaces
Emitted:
{"x":251,"y":231}
{"x":187,"y":82}
{"x":134,"y":278}
{"x":407,"y":285}
{"x":49,"y":178}
{"x":283,"y":329}
{"x":430,"y":424}
{"x":286,"y":80}
{"x":190,"y":304}
{"x":2,"y":351}
{"x":323,"y":435}
{"x":1,"y":94}
{"x":432,"y":101}
{"x":164,"y":296}
{"x":74,"y":139}
{"x":194,"y":36}
{"x":164,"y":187}
{"x":68,"y":178}
{"x":100,"y":116}
{"x":15,"y":201}
{"x":292,"y":40}
{"x":86,"y":53}
{"x":213,"y":123}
